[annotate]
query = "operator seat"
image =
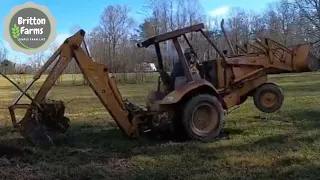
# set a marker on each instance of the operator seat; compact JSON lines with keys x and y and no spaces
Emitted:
{"x":159,"y":94}
{"x":166,"y":80}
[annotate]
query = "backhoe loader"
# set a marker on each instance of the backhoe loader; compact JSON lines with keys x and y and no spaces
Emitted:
{"x":193,"y":105}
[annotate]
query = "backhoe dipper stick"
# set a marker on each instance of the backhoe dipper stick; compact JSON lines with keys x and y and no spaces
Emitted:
{"x":48,"y":63}
{"x":57,"y":70}
{"x":38,"y":74}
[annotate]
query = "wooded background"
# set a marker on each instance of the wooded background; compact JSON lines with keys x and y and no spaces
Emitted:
{"x":113,"y":40}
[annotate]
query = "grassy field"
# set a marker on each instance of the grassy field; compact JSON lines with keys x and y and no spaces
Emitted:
{"x":283,"y":145}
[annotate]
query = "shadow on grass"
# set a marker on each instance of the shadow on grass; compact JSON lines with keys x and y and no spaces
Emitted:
{"x":304,"y":119}
{"x":95,"y":152}
{"x":112,"y":139}
{"x":11,"y":146}
{"x":238,"y":161}
{"x":301,"y":88}
{"x":289,"y":172}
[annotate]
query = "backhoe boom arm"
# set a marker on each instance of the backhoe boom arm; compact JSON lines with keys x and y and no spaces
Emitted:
{"x":97,"y":75}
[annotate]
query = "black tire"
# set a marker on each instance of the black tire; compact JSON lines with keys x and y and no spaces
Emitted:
{"x":268,"y":104}
{"x":216,"y":117}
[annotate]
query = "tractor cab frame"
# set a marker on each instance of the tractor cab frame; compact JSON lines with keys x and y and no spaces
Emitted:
{"x":174,"y":94}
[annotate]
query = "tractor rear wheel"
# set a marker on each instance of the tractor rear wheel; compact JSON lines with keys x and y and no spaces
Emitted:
{"x":268,"y":98}
{"x":203,"y":117}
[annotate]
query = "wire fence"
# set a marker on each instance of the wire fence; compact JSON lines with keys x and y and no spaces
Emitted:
{"x":121,"y":78}
{"x":79,"y":80}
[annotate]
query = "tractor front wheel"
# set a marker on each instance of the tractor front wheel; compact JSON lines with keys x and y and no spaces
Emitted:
{"x":203,"y":117}
{"x":268,"y":98}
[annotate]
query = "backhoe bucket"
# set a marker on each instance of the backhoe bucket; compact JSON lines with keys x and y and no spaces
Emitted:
{"x":41,"y":124}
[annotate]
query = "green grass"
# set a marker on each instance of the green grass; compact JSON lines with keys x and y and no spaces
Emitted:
{"x":283,"y":145}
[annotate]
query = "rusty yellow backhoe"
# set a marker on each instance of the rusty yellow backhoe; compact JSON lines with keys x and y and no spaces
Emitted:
{"x":194,"y":103}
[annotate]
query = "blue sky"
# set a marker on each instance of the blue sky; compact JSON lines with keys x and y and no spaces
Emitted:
{"x":86,"y":13}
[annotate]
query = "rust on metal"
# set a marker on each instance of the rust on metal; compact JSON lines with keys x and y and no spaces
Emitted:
{"x":226,"y":38}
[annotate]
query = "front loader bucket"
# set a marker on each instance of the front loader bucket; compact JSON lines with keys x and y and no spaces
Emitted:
{"x":304,"y":60}
{"x":313,"y":62}
{"x":40,"y":124}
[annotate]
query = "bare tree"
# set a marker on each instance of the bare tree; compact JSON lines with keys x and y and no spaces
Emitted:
{"x":97,"y":45}
{"x":3,"y":52}
{"x":310,"y":11}
{"x":112,"y":41}
{"x":37,"y":60}
{"x":283,"y":20}
{"x":238,"y":26}
{"x":115,"y":24}
{"x":257,"y":26}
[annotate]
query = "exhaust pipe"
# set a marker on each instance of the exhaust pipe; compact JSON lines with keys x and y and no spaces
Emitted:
{"x":226,"y":37}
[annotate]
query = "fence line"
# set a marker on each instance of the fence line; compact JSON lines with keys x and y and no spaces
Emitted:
{"x":78,"y":79}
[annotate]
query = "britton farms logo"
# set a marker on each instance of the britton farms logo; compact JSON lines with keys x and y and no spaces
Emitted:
{"x":29,"y":28}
